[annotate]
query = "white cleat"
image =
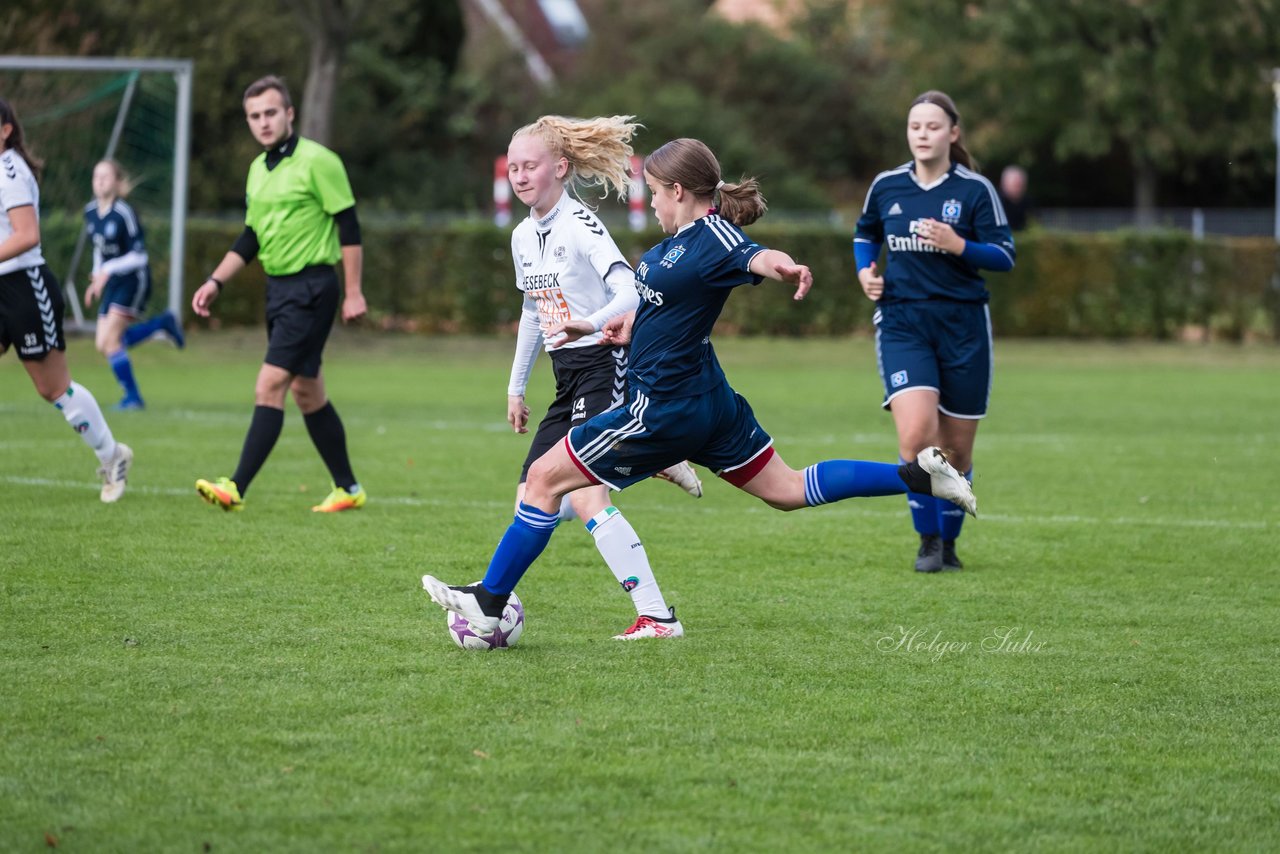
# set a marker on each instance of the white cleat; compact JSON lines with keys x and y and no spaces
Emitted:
{"x":946,"y":481}
{"x":646,"y":627}
{"x":683,"y":476}
{"x":115,"y":473}
{"x":460,"y":600}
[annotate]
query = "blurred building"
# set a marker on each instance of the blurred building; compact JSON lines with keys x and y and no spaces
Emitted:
{"x":773,"y":14}
{"x":548,"y":33}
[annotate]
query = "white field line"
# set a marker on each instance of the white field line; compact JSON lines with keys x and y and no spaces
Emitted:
{"x":677,"y":506}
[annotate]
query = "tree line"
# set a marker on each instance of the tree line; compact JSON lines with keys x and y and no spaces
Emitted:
{"x":1142,"y":103}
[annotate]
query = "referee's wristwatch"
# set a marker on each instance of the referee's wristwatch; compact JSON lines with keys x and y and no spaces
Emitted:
{"x":216,"y":281}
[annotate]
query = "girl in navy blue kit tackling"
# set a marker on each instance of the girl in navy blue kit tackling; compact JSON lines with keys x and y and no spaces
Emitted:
{"x":680,"y":405}
{"x":942,"y":222}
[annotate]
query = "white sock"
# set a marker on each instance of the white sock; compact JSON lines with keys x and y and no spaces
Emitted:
{"x":625,"y":555}
{"x":85,"y":417}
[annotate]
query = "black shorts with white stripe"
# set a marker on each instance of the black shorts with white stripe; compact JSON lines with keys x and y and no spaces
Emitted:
{"x":589,"y":380}
{"x":31,"y":308}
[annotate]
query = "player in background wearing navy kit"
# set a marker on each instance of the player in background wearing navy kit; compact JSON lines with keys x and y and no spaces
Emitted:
{"x":680,"y":405}
{"x":942,"y":223}
{"x":122,"y":277}
{"x":569,"y":268}
{"x":31,"y":308}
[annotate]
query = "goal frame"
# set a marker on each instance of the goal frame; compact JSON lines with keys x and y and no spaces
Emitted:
{"x":182,"y":70}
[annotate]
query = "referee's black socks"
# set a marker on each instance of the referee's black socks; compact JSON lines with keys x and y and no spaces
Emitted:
{"x":330,"y":439}
{"x":264,"y":430}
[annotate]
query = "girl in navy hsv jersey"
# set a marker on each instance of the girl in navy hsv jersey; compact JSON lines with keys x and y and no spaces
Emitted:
{"x":942,"y":222}
{"x":121,"y":277}
{"x":679,"y":403}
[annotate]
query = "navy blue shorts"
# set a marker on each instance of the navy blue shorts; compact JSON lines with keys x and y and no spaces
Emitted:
{"x":939,"y":345}
{"x":127,"y":294}
{"x":300,"y":313}
{"x":716,"y":429}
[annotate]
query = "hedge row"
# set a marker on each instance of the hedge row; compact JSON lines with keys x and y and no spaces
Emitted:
{"x":459,"y":278}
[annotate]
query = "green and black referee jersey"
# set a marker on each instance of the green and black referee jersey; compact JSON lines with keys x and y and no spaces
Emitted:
{"x":292,"y":195}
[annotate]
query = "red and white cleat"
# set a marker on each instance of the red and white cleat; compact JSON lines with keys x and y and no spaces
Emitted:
{"x":651,"y":627}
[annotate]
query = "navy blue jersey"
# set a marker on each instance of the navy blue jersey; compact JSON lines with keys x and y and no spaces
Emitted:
{"x":114,"y":234}
{"x":683,"y":283}
{"x":896,"y":203}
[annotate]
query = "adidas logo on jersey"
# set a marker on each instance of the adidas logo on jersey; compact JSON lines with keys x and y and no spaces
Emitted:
{"x":896,"y":210}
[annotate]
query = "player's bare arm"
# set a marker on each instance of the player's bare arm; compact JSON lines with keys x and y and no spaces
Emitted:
{"x":618,"y":330}
{"x":872,"y":282}
{"x":353,"y":305}
{"x":941,"y":236}
{"x":97,"y":282}
{"x":774,"y":264}
{"x":204,"y":296}
{"x":26,"y":232}
{"x":560,"y":334}
{"x":517,"y":413}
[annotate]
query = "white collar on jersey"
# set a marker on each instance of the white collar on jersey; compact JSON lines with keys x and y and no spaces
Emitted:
{"x":935,"y":183}
{"x":545,"y":223}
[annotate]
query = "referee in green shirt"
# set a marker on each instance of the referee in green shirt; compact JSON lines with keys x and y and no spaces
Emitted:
{"x":300,"y":221}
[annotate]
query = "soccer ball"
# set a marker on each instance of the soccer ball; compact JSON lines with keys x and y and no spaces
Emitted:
{"x":510,"y":627}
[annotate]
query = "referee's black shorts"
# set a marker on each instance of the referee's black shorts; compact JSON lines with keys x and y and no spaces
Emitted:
{"x":300,"y":312}
{"x":589,"y":380}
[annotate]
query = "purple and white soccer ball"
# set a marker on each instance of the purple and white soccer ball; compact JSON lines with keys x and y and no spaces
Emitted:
{"x":510,"y":627}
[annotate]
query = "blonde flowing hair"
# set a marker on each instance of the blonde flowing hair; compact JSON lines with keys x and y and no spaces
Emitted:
{"x":598,"y":150}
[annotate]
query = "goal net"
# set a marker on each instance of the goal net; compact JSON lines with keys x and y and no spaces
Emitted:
{"x":77,"y":111}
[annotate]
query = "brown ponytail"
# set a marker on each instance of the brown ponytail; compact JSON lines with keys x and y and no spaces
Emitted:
{"x":692,"y":165}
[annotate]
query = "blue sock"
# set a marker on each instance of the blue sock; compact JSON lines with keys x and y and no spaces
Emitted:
{"x":924,"y":512}
{"x":951,"y":516}
{"x":119,"y":361}
{"x":836,"y":480}
{"x":524,"y":540}
{"x":142,"y":330}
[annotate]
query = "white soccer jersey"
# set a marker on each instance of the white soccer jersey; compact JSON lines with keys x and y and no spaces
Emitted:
{"x":17,"y":188}
{"x":568,"y":268}
{"x":561,"y":263}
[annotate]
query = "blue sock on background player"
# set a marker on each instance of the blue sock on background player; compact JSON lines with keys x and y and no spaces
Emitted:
{"x":924,"y":511}
{"x":520,"y":546}
{"x":142,"y":330}
{"x":123,"y":369}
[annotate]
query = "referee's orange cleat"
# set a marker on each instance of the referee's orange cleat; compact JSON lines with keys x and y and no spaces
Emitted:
{"x":221,"y":493}
{"x":340,"y":500}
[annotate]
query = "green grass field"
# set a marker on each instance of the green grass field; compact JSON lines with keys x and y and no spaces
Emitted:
{"x":180,"y":679}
